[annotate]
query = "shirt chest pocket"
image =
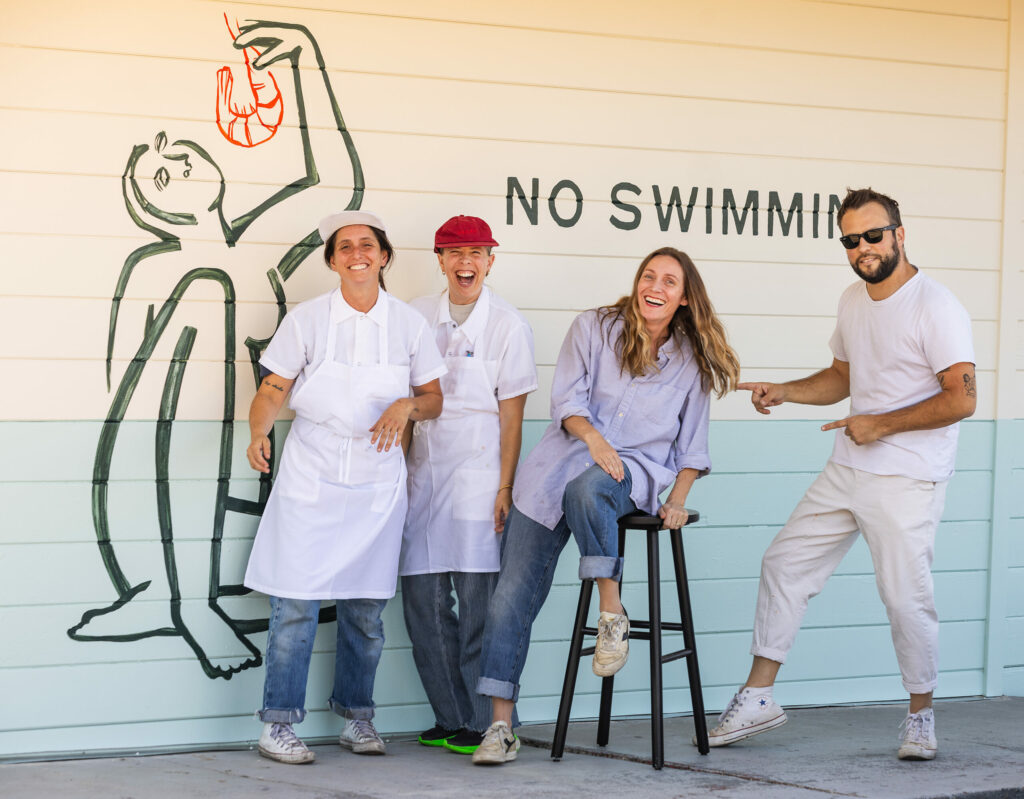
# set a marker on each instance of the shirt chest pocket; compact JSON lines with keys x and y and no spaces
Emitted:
{"x":658,"y":402}
{"x":469,"y":386}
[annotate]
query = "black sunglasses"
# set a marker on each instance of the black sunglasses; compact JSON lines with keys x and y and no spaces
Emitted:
{"x":872,"y":236}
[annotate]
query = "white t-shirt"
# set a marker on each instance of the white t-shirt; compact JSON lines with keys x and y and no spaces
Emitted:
{"x":301,"y":339}
{"x":895,"y":348}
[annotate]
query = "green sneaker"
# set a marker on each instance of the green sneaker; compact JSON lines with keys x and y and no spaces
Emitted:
{"x":465,"y":743}
{"x":437,"y":736}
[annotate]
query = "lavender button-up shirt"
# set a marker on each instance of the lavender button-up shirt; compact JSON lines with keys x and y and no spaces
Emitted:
{"x":658,"y":423}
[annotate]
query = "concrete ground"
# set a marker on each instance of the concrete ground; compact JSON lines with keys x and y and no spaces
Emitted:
{"x":845,"y":751}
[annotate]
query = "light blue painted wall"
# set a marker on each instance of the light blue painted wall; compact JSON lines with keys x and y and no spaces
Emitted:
{"x":63,"y":695}
{"x":1013,"y":674}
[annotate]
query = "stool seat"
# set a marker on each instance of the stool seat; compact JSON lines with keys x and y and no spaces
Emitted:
{"x":638,"y":520}
{"x":645,"y":630}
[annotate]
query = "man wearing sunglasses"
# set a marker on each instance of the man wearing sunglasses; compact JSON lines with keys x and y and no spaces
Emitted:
{"x":903,"y":355}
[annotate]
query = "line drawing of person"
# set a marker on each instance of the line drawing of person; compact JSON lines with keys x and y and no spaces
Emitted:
{"x":173,"y":186}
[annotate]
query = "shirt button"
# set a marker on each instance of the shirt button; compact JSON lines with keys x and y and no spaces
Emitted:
{"x":620,"y":413}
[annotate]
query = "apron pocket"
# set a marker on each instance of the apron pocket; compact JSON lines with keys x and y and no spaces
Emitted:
{"x":297,"y":477}
{"x":474,"y":494}
{"x":367,"y":466}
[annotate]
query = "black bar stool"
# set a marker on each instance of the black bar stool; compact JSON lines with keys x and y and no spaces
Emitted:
{"x":649,"y":630}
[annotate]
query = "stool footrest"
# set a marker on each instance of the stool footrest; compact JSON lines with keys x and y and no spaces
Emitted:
{"x":671,"y":626}
{"x":677,"y":655}
{"x":639,"y":635}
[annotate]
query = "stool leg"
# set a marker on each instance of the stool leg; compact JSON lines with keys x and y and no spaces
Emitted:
{"x":654,"y":599}
{"x":605,"y":717}
{"x":690,"y":642}
{"x":571,"y":670}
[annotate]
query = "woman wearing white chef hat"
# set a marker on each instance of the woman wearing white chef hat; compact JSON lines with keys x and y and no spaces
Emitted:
{"x":332,"y":528}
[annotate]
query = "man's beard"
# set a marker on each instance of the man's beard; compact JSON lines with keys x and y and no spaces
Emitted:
{"x":886,"y":266}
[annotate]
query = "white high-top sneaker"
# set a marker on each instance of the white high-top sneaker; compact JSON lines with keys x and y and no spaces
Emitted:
{"x":361,"y":737}
{"x":917,"y":739}
{"x":749,"y":712}
{"x":279,"y":742}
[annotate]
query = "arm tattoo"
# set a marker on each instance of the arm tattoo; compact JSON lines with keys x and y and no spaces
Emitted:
{"x":942,"y":377}
{"x":273,"y":385}
{"x":970,"y":385}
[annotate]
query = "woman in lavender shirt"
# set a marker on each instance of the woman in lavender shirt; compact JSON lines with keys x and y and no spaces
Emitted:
{"x":629,"y":410}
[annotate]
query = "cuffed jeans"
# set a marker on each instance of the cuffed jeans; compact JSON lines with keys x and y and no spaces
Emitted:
{"x":293,"y":624}
{"x":445,"y":647}
{"x":592,"y":505}
{"x":897,"y":517}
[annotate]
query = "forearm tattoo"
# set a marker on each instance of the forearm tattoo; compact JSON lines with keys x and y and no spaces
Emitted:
{"x":970,"y":384}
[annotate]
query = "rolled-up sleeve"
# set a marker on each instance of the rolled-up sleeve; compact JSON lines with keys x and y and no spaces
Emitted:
{"x":425,"y":361}
{"x":570,"y":386}
{"x":690,"y":450}
{"x":517,"y":369}
{"x":286,"y":355}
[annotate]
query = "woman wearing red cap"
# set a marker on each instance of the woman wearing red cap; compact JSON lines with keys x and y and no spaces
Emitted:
{"x":332,"y":528}
{"x":461,"y":469}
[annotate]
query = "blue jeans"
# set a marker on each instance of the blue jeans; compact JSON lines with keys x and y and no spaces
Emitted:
{"x":446,"y":647}
{"x":293,"y":624}
{"x":592,"y":505}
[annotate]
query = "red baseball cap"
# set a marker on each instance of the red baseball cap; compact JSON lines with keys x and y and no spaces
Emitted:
{"x":464,"y":231}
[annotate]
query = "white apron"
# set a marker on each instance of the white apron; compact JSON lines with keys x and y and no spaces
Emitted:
{"x":332,"y":528}
{"x":455,"y":468}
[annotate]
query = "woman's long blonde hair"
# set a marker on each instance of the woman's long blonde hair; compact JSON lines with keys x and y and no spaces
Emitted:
{"x":717,"y":362}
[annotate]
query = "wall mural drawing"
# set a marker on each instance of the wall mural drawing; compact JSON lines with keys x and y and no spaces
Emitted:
{"x":172,"y":189}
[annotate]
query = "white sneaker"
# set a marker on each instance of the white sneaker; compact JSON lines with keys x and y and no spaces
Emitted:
{"x":500,"y":745}
{"x":279,"y":742}
{"x":748,"y":713}
{"x":612,"y":649}
{"x":917,"y":741}
{"x":361,"y":737}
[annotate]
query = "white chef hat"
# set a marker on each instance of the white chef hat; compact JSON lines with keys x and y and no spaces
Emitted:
{"x":334,"y":222}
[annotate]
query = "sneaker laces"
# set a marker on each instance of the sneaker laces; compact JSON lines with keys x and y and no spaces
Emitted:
{"x":611,"y":632}
{"x":732,"y":707}
{"x":912,"y":728}
{"x":364,"y":730}
{"x":285,"y":736}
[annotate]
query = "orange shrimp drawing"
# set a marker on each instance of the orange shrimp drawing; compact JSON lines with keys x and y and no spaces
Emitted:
{"x":250,"y":112}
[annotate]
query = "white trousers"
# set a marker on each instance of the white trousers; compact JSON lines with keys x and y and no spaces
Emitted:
{"x":898,"y":517}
